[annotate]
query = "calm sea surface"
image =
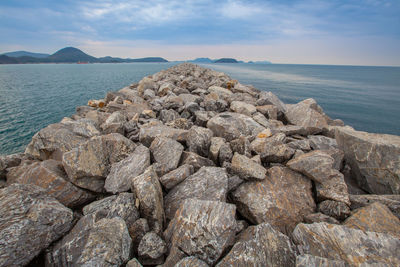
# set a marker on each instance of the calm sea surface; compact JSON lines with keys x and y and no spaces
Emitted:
{"x":33,"y":96}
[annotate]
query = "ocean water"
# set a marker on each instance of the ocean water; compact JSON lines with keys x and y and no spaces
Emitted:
{"x":33,"y":96}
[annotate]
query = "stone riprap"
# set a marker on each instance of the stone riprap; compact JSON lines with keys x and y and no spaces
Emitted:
{"x":189,"y":167}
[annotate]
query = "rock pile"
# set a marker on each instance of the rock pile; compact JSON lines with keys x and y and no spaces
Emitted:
{"x":191,"y":168}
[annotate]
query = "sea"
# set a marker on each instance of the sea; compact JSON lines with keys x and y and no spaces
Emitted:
{"x":33,"y":96}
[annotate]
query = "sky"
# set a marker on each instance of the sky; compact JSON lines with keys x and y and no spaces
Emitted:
{"x":343,"y":32}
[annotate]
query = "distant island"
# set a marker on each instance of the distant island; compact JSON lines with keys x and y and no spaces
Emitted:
{"x":67,"y":55}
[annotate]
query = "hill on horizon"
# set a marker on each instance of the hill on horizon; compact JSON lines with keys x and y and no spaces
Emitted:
{"x":26,"y":54}
{"x":71,"y":54}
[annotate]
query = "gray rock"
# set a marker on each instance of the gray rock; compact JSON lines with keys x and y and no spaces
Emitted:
{"x":137,"y":231}
{"x":319,"y":217}
{"x":164,"y":89}
{"x":191,"y":262}
{"x":50,"y":176}
{"x":152,"y":249}
{"x":337,"y":156}
{"x":355,"y":247}
{"x":122,"y":172}
{"x":56,"y":139}
{"x":114,"y":123}
{"x":282,"y":199}
{"x":146,"y":83}
{"x":233,"y":125}
{"x":318,"y":166}
{"x":202,"y":117}
{"x":310,"y":260}
{"x":233,"y":182}
{"x":225,"y":154}
{"x":202,"y":228}
{"x":391,"y":201}
{"x":166,"y":152}
{"x":176,"y":176}
{"x":374,"y":159}
{"x":195,"y":160}
{"x":246,"y":168}
{"x":148,"y":134}
{"x":241,"y":145}
{"x":105,"y":242}
{"x":261,"y":119}
{"x":221,"y":92}
{"x":268,"y":98}
{"x":89,"y":164}
{"x":320,"y":142}
{"x":9,"y":161}
{"x":277,"y":154}
{"x":261,"y":245}
{"x":168,"y":115}
{"x":303,"y":145}
{"x":243,"y":108}
{"x":269,"y":111}
{"x":215,"y":146}
{"x":30,"y":221}
{"x":337,"y":210}
{"x":199,"y":140}
{"x":209,"y":183}
{"x":262,"y":143}
{"x":134,"y":262}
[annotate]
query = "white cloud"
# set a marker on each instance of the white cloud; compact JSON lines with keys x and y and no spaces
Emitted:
{"x":237,"y":10}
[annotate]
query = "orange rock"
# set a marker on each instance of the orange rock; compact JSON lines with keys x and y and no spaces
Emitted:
{"x":101,"y":104}
{"x":231,"y":84}
{"x":127,"y":102}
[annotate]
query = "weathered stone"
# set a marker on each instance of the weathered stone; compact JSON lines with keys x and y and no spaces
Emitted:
{"x":355,"y":247}
{"x":88,"y":164}
{"x":290,"y":130}
{"x":391,"y":201}
{"x":114,"y":123}
{"x":151,"y":249}
{"x":168,"y":115}
{"x":268,"y":98}
{"x":174,"y":256}
{"x":209,"y":183}
{"x":199,"y":140}
{"x":277,"y":154}
{"x":243,"y":108}
{"x":233,"y":125}
{"x":241,"y":145}
{"x":176,"y":176}
{"x":337,"y":156}
{"x":50,"y":176}
{"x":334,"y":209}
{"x":222,"y":92}
{"x":263,"y":142}
{"x":9,"y":161}
{"x":166,"y":153}
{"x":146,"y":83}
{"x":246,"y":168}
{"x":269,"y":111}
{"x":105,"y":242}
{"x":202,"y":228}
{"x":374,"y":159}
{"x":215,"y":146}
{"x":319,"y":217}
{"x":310,"y":260}
{"x":195,"y":160}
{"x":320,"y":142}
{"x":225,"y":154}
{"x":30,"y":221}
{"x":137,"y":231}
{"x":261,"y":245}
{"x":261,"y":119}
{"x":303,"y":145}
{"x":148,"y":191}
{"x":318,"y":166}
{"x":164,"y":89}
{"x":375,"y":218}
{"x":133,"y":262}
{"x":148,"y":134}
{"x":54,"y":140}
{"x":282,"y":199}
{"x":202,"y":117}
{"x":191,"y":262}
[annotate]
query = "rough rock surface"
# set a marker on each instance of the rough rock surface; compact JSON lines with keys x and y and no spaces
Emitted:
{"x":202,"y":228}
{"x":246,"y":168}
{"x":307,"y":260}
{"x":30,"y":221}
{"x":166,"y":152}
{"x":195,"y":160}
{"x":374,"y":159}
{"x":199,"y":140}
{"x":334,"y":209}
{"x":391,"y":201}
{"x":268,"y":98}
{"x":190,"y":262}
{"x":151,"y":249}
{"x":355,"y":247}
{"x":176,"y":176}
{"x":261,"y":245}
{"x":148,"y":134}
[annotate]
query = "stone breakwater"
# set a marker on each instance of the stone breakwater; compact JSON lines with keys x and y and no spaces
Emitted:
{"x":191,"y":168}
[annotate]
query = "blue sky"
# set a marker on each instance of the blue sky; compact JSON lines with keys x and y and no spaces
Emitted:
{"x":309,"y":31}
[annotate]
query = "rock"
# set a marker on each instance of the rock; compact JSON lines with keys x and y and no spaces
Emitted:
{"x":122,"y":205}
{"x":282,"y":199}
{"x":166,"y":152}
{"x":241,"y":145}
{"x":261,"y":245}
{"x":310,"y":260}
{"x":225,"y":154}
{"x":374,"y":159}
{"x":355,"y":247}
{"x":221,"y":92}
{"x":209,"y":183}
{"x":202,"y":117}
{"x":307,"y":114}
{"x":50,"y":176}
{"x":164,"y":89}
{"x":262,"y":143}
{"x":319,"y":217}
{"x":261,"y":119}
{"x":148,"y":134}
{"x":375,"y":218}
{"x":137,"y":231}
{"x":176,"y":176}
{"x":202,"y":228}
{"x":303,"y":145}
{"x":151,"y":249}
{"x":199,"y":140}
{"x":9,"y":161}
{"x":215,"y":146}
{"x":233,"y":125}
{"x":277,"y":154}
{"x":391,"y":201}
{"x":243,"y":108}
{"x":105,"y":242}
{"x":337,"y":210}
{"x":122,"y":172}
{"x":148,"y":114}
{"x":337,"y":156}
{"x":30,"y":221}
{"x":246,"y":168}
{"x":195,"y":160}
{"x":290,"y":130}
{"x":146,"y":83}
{"x":56,"y":139}
{"x":168,"y":115}
{"x":174,"y":256}
{"x":134,"y":262}
{"x":191,"y":262}
{"x":318,"y":166}
{"x":89,"y":164}
{"x":269,"y":111}
{"x":320,"y":142}
{"x":268,"y":98}
{"x":149,"y":193}
{"x":114,"y":123}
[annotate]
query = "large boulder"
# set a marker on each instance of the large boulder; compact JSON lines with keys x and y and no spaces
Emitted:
{"x":190,"y":262}
{"x":209,"y":183}
{"x":149,"y":133}
{"x":50,"y":176}
{"x":308,"y":260}
{"x":355,"y":247}
{"x":202,"y":228}
{"x":166,"y":153}
{"x":9,"y":161}
{"x":151,"y":249}
{"x":246,"y":168}
{"x":243,"y":108}
{"x":233,"y":125}
{"x":56,"y":139}
{"x":391,"y":201}
{"x":197,"y":161}
{"x":268,"y":98}
{"x":89,"y":164}
{"x":282,"y":199}
{"x":261,"y":245}
{"x":176,"y":176}
{"x":199,"y":140}
{"x":30,"y":221}
{"x":374,"y":159}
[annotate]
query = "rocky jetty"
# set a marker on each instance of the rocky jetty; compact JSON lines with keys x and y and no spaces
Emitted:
{"x":191,"y":168}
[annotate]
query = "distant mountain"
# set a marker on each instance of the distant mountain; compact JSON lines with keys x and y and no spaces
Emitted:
{"x":7,"y":60}
{"x":201,"y":60}
{"x":226,"y":60}
{"x":26,"y":54}
{"x":71,"y":55}
{"x":148,"y":59}
{"x":260,"y":62}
